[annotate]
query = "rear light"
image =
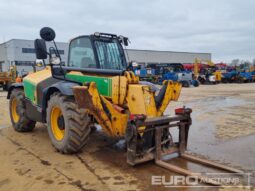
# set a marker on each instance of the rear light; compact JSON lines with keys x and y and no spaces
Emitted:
{"x":180,"y":110}
{"x":134,"y":117}
{"x":183,"y":110}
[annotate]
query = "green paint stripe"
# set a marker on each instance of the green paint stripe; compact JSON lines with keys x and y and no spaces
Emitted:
{"x":103,"y":84}
{"x":29,"y":89}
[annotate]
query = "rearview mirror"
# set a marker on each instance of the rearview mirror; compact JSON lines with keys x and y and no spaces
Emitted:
{"x":47,"y":34}
{"x":40,"y":49}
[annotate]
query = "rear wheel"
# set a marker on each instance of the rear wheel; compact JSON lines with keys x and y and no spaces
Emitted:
{"x":68,"y":126}
{"x":195,"y":83}
{"x":240,"y":80}
{"x":7,"y":86}
{"x":185,"y":84}
{"x":17,"y":108}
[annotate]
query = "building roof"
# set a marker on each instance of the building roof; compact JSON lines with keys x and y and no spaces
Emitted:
{"x":167,"y":51}
{"x":16,"y":39}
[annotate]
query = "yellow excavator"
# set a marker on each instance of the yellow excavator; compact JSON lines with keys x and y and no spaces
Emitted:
{"x":208,"y":74}
{"x":7,"y":78}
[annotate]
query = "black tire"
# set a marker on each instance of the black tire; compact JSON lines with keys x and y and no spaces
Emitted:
{"x":224,"y":80}
{"x":23,"y":124}
{"x":201,"y":80}
{"x":77,"y":124}
{"x":195,"y":83}
{"x":185,"y":84}
{"x":240,"y":80}
{"x":5,"y":88}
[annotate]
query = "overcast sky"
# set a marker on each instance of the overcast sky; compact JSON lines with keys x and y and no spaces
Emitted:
{"x":225,"y":28}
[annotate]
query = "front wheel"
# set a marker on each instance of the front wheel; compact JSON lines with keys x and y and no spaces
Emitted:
{"x":195,"y":83}
{"x":20,"y":121}
{"x":68,"y":126}
{"x":185,"y":84}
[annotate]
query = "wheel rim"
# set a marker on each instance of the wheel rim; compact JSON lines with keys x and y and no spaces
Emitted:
{"x":15,"y":115}
{"x":57,"y":130}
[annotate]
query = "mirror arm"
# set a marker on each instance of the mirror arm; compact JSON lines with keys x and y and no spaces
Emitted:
{"x":60,"y":65}
{"x":44,"y":63}
{"x":34,"y":68}
{"x":56,"y":48}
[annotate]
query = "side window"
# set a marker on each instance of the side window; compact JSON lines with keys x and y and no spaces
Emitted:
{"x":108,"y":54}
{"x":81,"y":54}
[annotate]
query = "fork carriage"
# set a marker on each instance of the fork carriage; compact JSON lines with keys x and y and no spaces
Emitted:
{"x":163,"y":144}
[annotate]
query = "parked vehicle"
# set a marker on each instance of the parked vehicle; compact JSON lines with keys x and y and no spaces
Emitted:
{"x":229,"y":76}
{"x":146,"y":74}
{"x":7,"y":78}
{"x":176,"y":72}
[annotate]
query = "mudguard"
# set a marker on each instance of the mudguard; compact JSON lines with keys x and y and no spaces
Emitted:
{"x":66,"y":88}
{"x":13,"y":86}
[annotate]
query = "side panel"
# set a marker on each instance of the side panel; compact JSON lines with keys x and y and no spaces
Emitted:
{"x":104,"y":84}
{"x":31,"y":82}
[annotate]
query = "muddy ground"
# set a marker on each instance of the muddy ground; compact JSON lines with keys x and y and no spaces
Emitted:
{"x":223,"y":130}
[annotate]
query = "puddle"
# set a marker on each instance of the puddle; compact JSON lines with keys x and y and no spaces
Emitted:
{"x":212,"y":104}
{"x":203,"y":139}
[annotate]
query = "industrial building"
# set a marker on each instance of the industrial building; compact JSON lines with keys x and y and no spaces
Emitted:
{"x":22,"y":54}
{"x":164,"y":57}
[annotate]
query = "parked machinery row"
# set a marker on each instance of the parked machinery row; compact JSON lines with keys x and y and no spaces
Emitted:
{"x":199,"y":72}
{"x":239,"y":75}
{"x":158,"y":73}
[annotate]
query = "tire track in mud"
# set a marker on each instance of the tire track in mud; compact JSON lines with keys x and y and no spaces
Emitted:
{"x":89,"y":168}
{"x":44,"y":162}
{"x":75,"y":183}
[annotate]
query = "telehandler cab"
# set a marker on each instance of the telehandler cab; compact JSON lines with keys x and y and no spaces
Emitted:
{"x":94,"y":86}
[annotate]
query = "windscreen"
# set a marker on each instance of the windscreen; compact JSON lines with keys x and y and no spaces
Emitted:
{"x":81,"y":54}
{"x":110,"y":55}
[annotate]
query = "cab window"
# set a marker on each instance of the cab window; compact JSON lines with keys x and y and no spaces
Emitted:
{"x":81,"y":54}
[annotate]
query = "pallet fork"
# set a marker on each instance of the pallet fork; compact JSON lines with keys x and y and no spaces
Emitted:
{"x":158,"y":126}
